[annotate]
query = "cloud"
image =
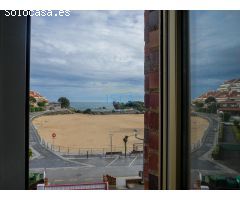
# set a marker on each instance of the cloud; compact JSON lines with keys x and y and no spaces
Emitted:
{"x":95,"y":51}
{"x":214,"y":47}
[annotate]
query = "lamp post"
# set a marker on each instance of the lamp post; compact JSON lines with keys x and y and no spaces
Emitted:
{"x":111,"y":142}
{"x":221,"y":121}
{"x":125,"y":140}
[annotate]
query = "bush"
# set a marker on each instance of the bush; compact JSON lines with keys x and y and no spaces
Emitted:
{"x":30,"y":153}
{"x":37,"y":109}
{"x":227,"y":117}
{"x":41,"y":109}
{"x":199,"y":104}
{"x":87,"y":111}
{"x":236,"y":122}
{"x":32,"y":109}
{"x":221,"y":133}
{"x":201,"y":110}
{"x":41,"y":104}
{"x":216,"y":152}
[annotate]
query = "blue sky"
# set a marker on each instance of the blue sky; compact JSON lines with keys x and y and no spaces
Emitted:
{"x":89,"y":55}
{"x":215,"y":49}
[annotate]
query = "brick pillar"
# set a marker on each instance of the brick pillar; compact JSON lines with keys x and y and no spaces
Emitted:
{"x":151,"y":99}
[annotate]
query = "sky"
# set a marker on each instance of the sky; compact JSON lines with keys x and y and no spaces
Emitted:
{"x":214,"y":49}
{"x":99,"y":55}
{"x":88,"y":56}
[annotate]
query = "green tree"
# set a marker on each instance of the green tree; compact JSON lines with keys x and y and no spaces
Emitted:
{"x":210,"y":99}
{"x":87,"y":111}
{"x":199,"y":104}
{"x":65,"y":103}
{"x":212,"y":107}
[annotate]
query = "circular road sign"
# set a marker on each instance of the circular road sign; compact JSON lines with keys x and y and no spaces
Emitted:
{"x":54,"y":135}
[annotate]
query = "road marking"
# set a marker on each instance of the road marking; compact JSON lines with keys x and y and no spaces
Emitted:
{"x":112,"y":161}
{"x":131,"y":163}
{"x":57,"y":168}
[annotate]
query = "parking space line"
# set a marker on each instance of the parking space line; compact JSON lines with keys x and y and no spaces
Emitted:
{"x":112,"y":161}
{"x":131,"y":163}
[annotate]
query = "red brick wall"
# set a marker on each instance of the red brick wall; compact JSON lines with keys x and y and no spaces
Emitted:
{"x":151,"y":116}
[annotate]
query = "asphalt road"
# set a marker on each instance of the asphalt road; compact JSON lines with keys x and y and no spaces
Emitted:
{"x":201,"y":160}
{"x":77,"y":169}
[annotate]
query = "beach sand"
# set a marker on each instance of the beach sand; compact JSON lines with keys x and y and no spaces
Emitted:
{"x":93,"y":131}
{"x":198,"y":127}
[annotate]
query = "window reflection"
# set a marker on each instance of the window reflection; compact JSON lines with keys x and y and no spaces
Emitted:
{"x":215,"y":99}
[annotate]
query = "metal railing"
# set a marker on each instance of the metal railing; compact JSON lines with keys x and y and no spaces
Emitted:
{"x":83,"y":186}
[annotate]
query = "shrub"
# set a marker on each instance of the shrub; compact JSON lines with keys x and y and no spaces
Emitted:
{"x":41,"y":109}
{"x":227,"y":117}
{"x":30,"y":153}
{"x":87,"y":111}
{"x":37,"y":109}
{"x":221,"y":133}
{"x":41,"y":104}
{"x":236,"y":122}
{"x":199,"y":104}
{"x":216,"y":152}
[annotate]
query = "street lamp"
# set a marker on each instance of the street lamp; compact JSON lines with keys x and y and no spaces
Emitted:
{"x":135,"y":131}
{"x":125,"y":140}
{"x":111,"y":142}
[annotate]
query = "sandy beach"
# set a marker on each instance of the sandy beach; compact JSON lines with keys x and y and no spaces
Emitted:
{"x":198,"y":126}
{"x":94,"y":131}
{"x":90,"y":131}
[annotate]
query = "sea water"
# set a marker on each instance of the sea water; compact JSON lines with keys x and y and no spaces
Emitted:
{"x":94,"y":106}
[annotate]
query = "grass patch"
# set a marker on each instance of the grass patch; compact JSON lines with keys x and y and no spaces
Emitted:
{"x":236,"y":131}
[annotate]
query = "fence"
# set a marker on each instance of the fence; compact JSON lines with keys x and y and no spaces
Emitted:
{"x":66,"y":150}
{"x":83,"y":186}
{"x":195,"y":146}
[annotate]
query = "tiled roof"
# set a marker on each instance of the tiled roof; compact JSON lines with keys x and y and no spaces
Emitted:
{"x":37,"y":95}
{"x":223,"y":94}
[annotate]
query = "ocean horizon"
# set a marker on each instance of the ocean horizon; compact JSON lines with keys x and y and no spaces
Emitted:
{"x":92,"y":105}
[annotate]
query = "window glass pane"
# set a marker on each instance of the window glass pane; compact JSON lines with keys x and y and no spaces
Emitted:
{"x":215,"y":99}
{"x":86,"y":99}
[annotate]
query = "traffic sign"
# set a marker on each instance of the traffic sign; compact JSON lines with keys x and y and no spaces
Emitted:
{"x":54,"y":135}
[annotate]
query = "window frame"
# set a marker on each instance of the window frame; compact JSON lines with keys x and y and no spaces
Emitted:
{"x":173,"y":38}
{"x":14,"y":79}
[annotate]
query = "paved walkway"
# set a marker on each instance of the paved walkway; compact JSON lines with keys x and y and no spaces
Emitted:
{"x":44,"y":158}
